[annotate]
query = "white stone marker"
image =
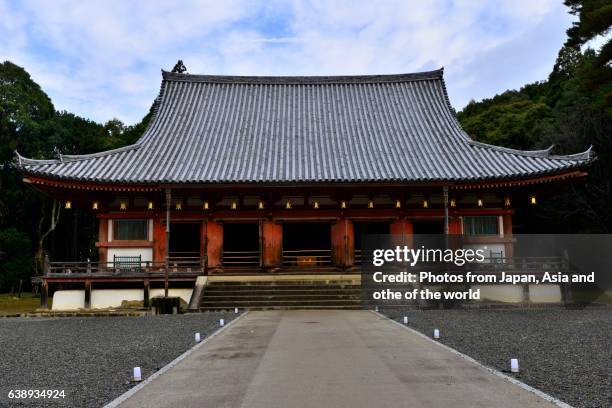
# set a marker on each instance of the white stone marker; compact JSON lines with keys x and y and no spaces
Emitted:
{"x":376,"y":308}
{"x":221,"y":322}
{"x":436,"y":334}
{"x":197,"y":337}
{"x":236,"y":310}
{"x":174,"y":310}
{"x":514,"y":365}
{"x":405,"y":319}
{"x":137,"y":374}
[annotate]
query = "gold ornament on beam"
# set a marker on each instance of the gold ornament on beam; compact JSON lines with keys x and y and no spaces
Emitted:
{"x":398,"y":204}
{"x":95,"y":206}
{"x":425,"y":203}
{"x":453,"y":202}
{"x":68,"y":205}
{"x":178,"y":206}
{"x":261,"y":205}
{"x":234,"y":205}
{"x":370,"y":204}
{"x":480,"y":203}
{"x":205,"y":206}
{"x":315,"y":205}
{"x":288,"y":205}
{"x":150,"y":205}
{"x":122,"y":205}
{"x":507,"y":201}
{"x":343,"y":205}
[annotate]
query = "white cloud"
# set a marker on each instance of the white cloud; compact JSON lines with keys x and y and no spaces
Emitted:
{"x":102,"y":59}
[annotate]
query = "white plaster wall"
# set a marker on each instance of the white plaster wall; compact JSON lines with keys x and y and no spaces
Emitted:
{"x":68,"y":300}
{"x":146,"y":254}
{"x":500,"y":293}
{"x":184,"y":294}
{"x":545,"y":293}
{"x":103,"y":298}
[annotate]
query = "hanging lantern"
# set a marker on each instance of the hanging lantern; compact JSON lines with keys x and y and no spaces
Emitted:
{"x":261,"y":205}
{"x":532,"y":199}
{"x":205,"y":206}
{"x":425,"y":203}
{"x":178,"y":206}
{"x":453,"y":202}
{"x":370,"y":204}
{"x":234,"y":205}
{"x":68,"y":205}
{"x":398,"y":204}
{"x":315,"y":205}
{"x":480,"y":203}
{"x":122,"y":205}
{"x":288,"y":205}
{"x":150,"y":205}
{"x":343,"y":205}
{"x":95,"y":206}
{"x":507,"y":201}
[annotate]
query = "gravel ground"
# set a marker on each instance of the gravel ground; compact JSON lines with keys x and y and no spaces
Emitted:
{"x":565,"y":353}
{"x":92,"y":358}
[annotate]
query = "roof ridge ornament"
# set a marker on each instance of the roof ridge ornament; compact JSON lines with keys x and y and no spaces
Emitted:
{"x":179,"y":67}
{"x":57,"y":153}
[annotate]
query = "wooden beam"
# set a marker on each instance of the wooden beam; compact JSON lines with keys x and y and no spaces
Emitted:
{"x":272,"y":242}
{"x":160,"y":245}
{"x":146,"y":294}
{"x":404,"y":229}
{"x":343,"y":243}
{"x":214,"y":240}
{"x":44,"y":294}
{"x":87,"y":294}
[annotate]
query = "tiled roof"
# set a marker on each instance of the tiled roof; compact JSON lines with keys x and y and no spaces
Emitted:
{"x":229,"y":129}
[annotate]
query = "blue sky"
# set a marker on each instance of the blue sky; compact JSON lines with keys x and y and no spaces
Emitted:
{"x":102,"y":59}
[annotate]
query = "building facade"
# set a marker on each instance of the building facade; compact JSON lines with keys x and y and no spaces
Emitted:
{"x":285,"y":175}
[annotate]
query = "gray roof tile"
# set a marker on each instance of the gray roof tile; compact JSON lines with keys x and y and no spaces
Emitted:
{"x":229,"y":129}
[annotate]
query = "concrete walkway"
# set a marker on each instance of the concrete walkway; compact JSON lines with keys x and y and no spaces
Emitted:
{"x":326,"y":359}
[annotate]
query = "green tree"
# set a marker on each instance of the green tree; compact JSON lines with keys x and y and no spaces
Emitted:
{"x":15,"y":257}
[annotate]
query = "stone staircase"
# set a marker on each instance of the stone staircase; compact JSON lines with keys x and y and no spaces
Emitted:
{"x":306,"y":293}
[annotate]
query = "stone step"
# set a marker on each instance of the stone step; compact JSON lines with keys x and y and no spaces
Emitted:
{"x":263,"y":303}
{"x":230,"y":291}
{"x":246,"y":288}
{"x":301,"y":307}
{"x":280,"y":296}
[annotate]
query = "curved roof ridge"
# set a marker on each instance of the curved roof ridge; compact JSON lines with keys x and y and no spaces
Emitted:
{"x":530,"y":153}
{"x":297,"y":80}
{"x":65,"y":158}
{"x":588,"y":155}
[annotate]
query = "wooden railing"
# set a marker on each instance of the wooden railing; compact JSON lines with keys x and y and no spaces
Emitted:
{"x":307,"y":257}
{"x":241,"y":258}
{"x":114,"y":269}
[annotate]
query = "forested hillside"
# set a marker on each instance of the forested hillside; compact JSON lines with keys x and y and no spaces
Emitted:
{"x":30,"y":124}
{"x":571,"y":109}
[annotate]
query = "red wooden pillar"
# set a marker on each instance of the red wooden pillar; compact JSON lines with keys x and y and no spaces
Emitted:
{"x":455,"y":240}
{"x":272,"y":244}
{"x":343,"y":243}
{"x":403,"y":229}
{"x":509,"y":246}
{"x":159,"y":241}
{"x":203,"y":243}
{"x":102,"y":238}
{"x":214,"y":244}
